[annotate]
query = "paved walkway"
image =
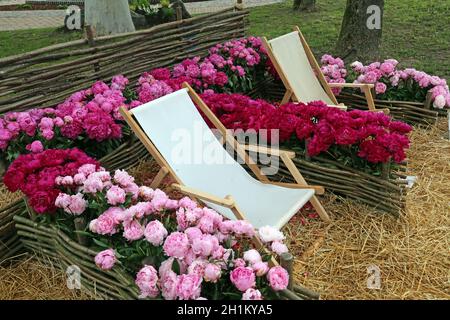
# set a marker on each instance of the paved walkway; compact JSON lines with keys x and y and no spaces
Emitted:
{"x":19,"y":20}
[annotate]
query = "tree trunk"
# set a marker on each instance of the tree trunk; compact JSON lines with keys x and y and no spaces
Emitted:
{"x":108,"y":17}
{"x":304,"y":5}
{"x":361,"y":31}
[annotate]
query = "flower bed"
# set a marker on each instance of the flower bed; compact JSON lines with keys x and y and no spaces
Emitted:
{"x":357,"y":154}
{"x":411,"y":95}
{"x":173,"y":249}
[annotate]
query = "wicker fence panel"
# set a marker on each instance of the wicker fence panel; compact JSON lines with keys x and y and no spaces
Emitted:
{"x":44,"y":77}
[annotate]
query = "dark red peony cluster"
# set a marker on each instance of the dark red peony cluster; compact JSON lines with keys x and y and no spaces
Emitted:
{"x":35,"y":174}
{"x":377,"y":137}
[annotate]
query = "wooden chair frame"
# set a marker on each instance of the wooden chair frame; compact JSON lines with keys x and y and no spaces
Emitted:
{"x":290,"y":95}
{"x":228,"y":201}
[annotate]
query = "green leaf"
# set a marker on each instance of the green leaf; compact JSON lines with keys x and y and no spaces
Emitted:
{"x":101,"y":243}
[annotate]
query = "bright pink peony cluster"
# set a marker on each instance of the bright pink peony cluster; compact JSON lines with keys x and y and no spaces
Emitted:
{"x":91,"y":114}
{"x":229,"y":67}
{"x":36,"y":174}
{"x":374,"y":135}
{"x":334,"y":71}
{"x":195,"y":246}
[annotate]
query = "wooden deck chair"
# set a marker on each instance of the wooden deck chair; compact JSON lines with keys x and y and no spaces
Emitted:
{"x":168,"y":125}
{"x":301,"y":75}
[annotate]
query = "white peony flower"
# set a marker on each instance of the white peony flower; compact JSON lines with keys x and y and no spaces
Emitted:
{"x":269,"y":234}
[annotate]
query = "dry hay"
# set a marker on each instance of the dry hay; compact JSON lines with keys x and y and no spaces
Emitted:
{"x":412,"y":252}
{"x":30,"y":279}
{"x":7,"y":197}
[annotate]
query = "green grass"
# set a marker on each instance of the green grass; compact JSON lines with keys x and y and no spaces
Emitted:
{"x":21,"y":41}
{"x":415,"y":32}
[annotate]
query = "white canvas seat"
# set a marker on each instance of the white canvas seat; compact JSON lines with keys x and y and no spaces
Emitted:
{"x":292,"y":58}
{"x":301,"y":74}
{"x":173,"y":124}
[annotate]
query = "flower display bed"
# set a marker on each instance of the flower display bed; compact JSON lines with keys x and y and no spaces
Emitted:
{"x":127,"y":155}
{"x":50,"y":242}
{"x":408,"y":111}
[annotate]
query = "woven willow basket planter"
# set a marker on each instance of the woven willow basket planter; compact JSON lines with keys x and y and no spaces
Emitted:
{"x":49,"y":242}
{"x":386,"y":192}
{"x":127,"y":155}
{"x":414,"y":113}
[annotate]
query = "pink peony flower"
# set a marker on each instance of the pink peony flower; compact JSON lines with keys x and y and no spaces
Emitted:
{"x":115,"y":195}
{"x":243,"y":278}
{"x":198,"y":267}
{"x":279,"y":248}
{"x":35,"y":147}
{"x":168,"y":284}
{"x":239,"y":263}
{"x":123,"y":178}
{"x":380,"y":88}
{"x":204,"y":245}
{"x":155,"y":232}
{"x":176,"y":245}
{"x":132,"y":230}
{"x":189,"y":286}
{"x":105,"y":259}
{"x":278,"y":278}
{"x":147,"y":281}
{"x":260,"y":268}
{"x":252,"y":294}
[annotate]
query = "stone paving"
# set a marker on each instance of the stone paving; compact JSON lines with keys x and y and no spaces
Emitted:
{"x":18,"y":20}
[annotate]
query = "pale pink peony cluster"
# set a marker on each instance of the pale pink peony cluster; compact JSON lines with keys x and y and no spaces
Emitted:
{"x":196,"y":245}
{"x":334,"y":71}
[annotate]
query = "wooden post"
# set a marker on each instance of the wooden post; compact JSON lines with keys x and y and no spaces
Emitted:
{"x":386,"y":170}
{"x":90,"y":35}
{"x":179,"y":14}
{"x":80,"y":225}
{"x":287,"y":261}
{"x":307,"y":156}
{"x":239,"y":5}
{"x":428,"y":99}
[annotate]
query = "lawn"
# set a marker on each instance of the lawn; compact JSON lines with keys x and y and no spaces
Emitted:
{"x":415,"y":32}
{"x":21,"y":41}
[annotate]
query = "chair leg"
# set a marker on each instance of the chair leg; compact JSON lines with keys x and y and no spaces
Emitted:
{"x":287,"y":97}
{"x":162,"y":173}
{"x":300,"y":180}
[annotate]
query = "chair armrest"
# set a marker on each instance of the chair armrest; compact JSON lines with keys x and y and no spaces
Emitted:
{"x":339,"y":106}
{"x":224,"y":202}
{"x":269,"y":151}
{"x":351,"y":85}
{"x":317,"y":189}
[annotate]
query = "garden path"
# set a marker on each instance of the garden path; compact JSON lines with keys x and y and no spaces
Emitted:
{"x":19,"y":20}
